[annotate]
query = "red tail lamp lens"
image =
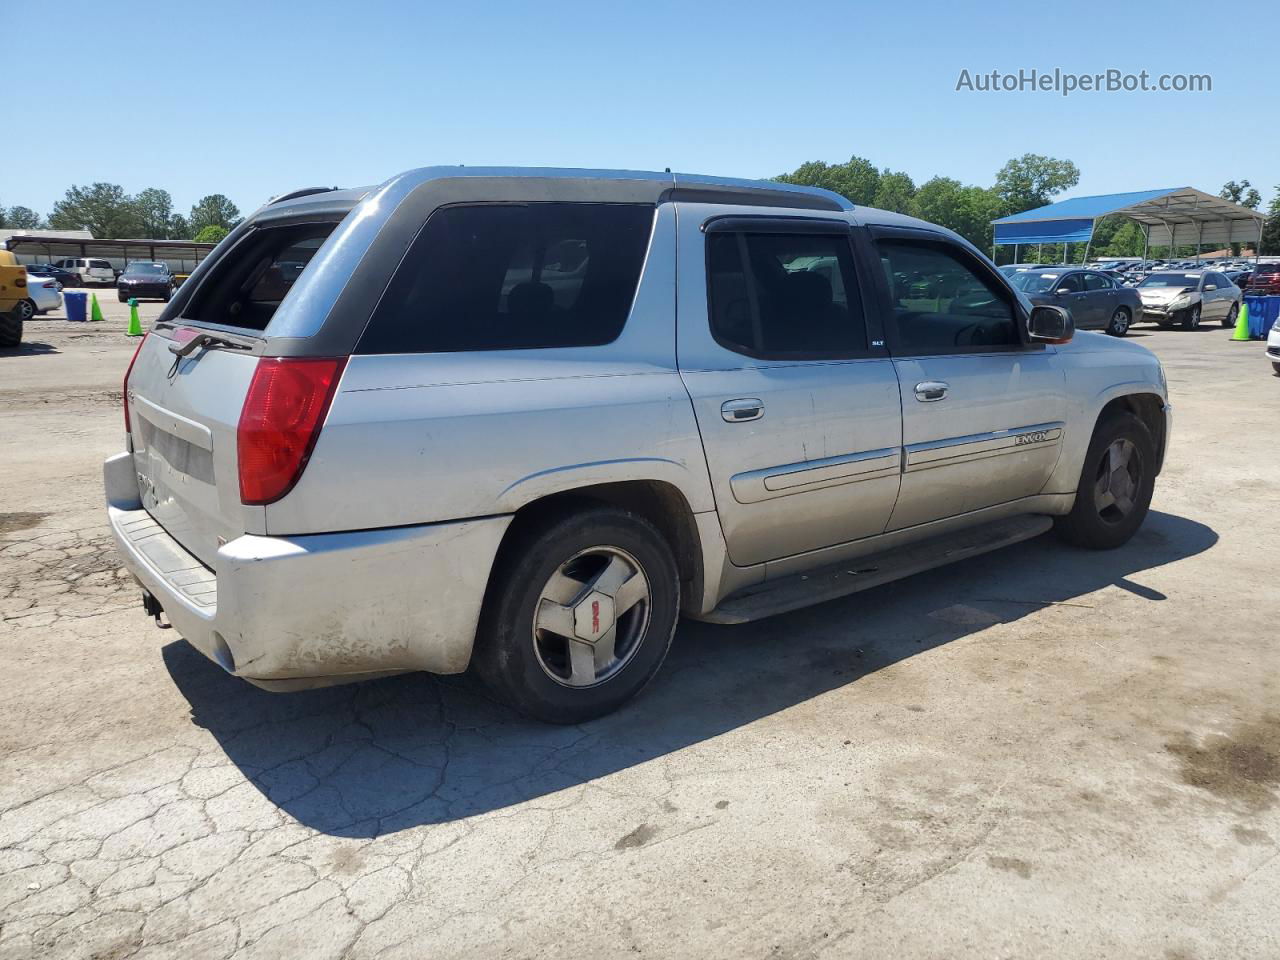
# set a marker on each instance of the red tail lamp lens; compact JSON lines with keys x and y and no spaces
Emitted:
{"x":282,"y":416}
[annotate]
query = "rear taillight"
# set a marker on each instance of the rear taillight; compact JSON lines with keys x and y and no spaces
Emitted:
{"x":127,"y":372}
{"x":283,"y":412}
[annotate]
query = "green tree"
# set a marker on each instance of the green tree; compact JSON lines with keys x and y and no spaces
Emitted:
{"x":155,"y":210}
{"x":1029,"y":181}
{"x":213,"y":233}
{"x":1242,"y":193}
{"x":179,"y":228}
{"x":1270,"y":245}
{"x":21,"y":218}
{"x":857,"y":180}
{"x":966,"y":210}
{"x":1125,"y":241}
{"x":214,"y":210}
{"x":104,"y":209}
{"x":895,"y":192}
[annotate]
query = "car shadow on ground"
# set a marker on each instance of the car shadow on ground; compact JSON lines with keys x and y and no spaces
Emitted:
{"x":30,"y":348}
{"x":378,"y":757}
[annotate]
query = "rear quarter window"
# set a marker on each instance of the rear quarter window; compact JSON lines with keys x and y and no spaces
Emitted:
{"x":514,"y":276}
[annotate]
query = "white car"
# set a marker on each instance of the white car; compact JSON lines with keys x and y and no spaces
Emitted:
{"x":89,"y":270}
{"x":42,"y":296}
{"x":1273,"y":348}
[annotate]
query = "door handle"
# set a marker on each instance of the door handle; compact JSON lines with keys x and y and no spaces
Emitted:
{"x":740,"y":411}
{"x":928,"y":391}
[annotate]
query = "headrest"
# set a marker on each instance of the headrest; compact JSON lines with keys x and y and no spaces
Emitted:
{"x":530,"y":299}
{"x":809,"y":291}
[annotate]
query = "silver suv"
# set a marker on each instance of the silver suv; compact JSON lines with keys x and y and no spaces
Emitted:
{"x":521,"y":420}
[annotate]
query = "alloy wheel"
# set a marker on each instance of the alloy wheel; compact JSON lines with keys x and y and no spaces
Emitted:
{"x":592,"y":616}
{"x":1119,"y":322}
{"x":1115,"y":489}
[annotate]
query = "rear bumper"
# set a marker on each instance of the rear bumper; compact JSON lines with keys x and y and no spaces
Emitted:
{"x":296,"y":612}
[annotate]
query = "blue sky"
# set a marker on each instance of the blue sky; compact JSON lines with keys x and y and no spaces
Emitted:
{"x":251,"y":99}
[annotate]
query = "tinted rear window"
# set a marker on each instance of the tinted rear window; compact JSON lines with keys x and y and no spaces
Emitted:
{"x":247,"y":284}
{"x":509,"y":277}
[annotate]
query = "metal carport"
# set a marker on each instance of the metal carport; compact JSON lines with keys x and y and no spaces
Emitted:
{"x":47,"y":245}
{"x":1181,"y":215}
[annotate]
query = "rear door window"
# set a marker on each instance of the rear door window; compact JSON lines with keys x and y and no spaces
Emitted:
{"x":785,"y":296}
{"x":512,"y":277}
{"x":1096,"y":281}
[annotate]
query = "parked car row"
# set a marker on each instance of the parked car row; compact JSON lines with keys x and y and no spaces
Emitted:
{"x":1099,"y":301}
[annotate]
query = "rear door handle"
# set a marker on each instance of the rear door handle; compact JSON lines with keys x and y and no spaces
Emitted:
{"x":928,"y":391}
{"x":740,"y":411}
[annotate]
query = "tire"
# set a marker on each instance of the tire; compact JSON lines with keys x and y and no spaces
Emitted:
{"x":10,"y":329}
{"x":1100,"y":519}
{"x":1276,"y":367}
{"x":1230,"y":319}
{"x":166,"y":298}
{"x":1191,"y":321}
{"x":1118,"y":326}
{"x":25,"y":310}
{"x":533,"y":668}
{"x":122,"y":298}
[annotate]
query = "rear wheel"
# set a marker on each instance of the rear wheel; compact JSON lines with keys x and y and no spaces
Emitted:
{"x":25,"y":310}
{"x":10,"y":329}
{"x":122,"y":298}
{"x":579,"y":615}
{"x":1116,"y":483}
{"x":1119,"y":324}
{"x":1191,"y":321}
{"x":1230,"y":319}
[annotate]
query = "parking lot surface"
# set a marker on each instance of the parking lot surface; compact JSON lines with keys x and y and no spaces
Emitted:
{"x":1040,"y":752}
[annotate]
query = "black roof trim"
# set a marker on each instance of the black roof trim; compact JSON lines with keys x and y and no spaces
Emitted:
{"x":750,"y":197}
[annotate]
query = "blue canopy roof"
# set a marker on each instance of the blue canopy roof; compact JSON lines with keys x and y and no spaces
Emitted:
{"x":1170,"y":215}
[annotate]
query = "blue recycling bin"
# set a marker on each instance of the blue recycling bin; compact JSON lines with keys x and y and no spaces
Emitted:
{"x":1263,"y":313}
{"x":77,"y":305}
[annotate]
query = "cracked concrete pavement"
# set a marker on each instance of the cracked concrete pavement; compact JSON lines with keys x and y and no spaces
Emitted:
{"x":1039,"y":753}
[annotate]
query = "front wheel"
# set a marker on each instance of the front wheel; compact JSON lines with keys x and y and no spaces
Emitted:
{"x":1116,"y":483}
{"x":579,"y":614}
{"x":1230,"y":319}
{"x":1119,"y":324}
{"x":1192,"y":320}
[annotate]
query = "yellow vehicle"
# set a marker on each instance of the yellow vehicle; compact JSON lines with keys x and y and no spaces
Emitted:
{"x":13,"y":291}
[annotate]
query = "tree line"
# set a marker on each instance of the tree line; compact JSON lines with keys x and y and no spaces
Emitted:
{"x":1023,"y":183}
{"x":106,"y":211}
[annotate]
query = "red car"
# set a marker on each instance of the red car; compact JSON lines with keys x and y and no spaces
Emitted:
{"x":1265,"y":280}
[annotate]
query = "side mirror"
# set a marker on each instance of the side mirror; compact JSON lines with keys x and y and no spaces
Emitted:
{"x":1050,"y":325}
{"x":1061,"y":292}
{"x":1211,"y":286}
